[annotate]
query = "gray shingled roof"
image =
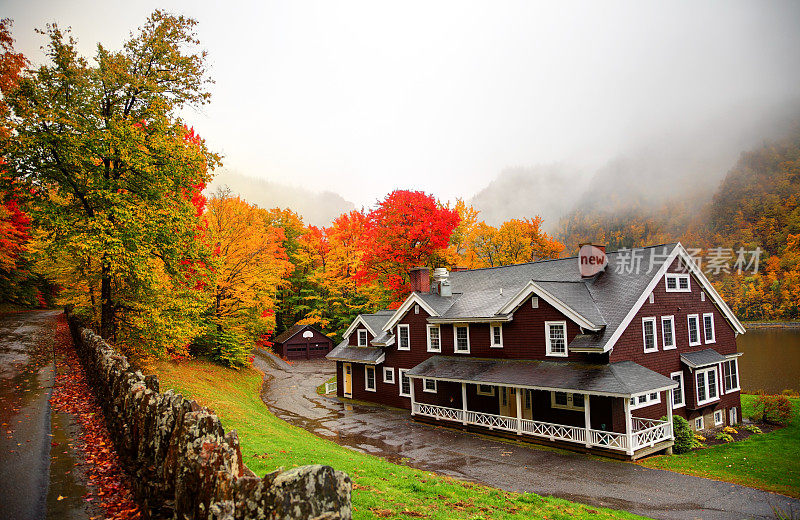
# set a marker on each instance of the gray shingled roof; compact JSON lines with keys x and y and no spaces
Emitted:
{"x":702,"y":358}
{"x":377,"y":320}
{"x":345,"y":352}
{"x":625,"y":378}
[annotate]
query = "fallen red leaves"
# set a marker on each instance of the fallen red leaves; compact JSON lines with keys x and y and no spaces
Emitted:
{"x":109,"y":484}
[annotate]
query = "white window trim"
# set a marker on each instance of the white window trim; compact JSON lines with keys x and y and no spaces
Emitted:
{"x":534,"y":302}
{"x":713,"y":333}
{"x":725,"y":383}
{"x":374,"y":379}
{"x":671,"y":320}
{"x":683,"y":390}
{"x":548,"y":351}
{"x":388,"y":370}
{"x":400,"y":373}
{"x":702,"y":423}
{"x":708,"y":399}
{"x":689,"y":330}
{"x":648,"y":400}
{"x":492,"y":344}
{"x":358,"y":338}
{"x":428,"y":334}
{"x":456,"y":326}
{"x":655,"y":335}
{"x":425,"y":386}
{"x":569,"y":405}
{"x":733,"y":416}
{"x":678,"y":278}
{"x":399,"y":342}
{"x":478,"y":390}
{"x":721,"y":420}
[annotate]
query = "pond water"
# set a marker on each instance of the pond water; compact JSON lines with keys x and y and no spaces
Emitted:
{"x":770,"y":359}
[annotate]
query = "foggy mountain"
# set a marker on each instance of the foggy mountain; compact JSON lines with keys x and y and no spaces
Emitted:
{"x":316,"y":208}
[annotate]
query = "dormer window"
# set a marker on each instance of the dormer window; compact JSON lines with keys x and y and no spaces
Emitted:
{"x":677,"y":282}
{"x":556,"y":338}
{"x":362,"y":338}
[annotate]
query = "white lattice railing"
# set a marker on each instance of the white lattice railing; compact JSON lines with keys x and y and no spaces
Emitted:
{"x":646,"y":432}
{"x":330,"y":387}
{"x":492,"y":421}
{"x":652,"y":435}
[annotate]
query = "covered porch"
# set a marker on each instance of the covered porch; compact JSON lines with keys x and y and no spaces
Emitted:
{"x":550,"y":402}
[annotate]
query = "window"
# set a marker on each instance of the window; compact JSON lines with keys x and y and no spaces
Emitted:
{"x":535,"y":302}
{"x":556,"y":338}
{"x":708,"y":327}
{"x":362,"y":337}
{"x":416,"y":309}
{"x":405,"y":383}
{"x":730,"y":371}
{"x":698,"y":423}
{"x":668,"y":332}
{"x":649,"y":333}
{"x":652,"y":298}
{"x":388,"y":375}
{"x":694,"y":330}
{"x":528,"y":395}
{"x":434,"y":338}
{"x":719,"y":418}
{"x":485,"y":390}
{"x":706,"y":385}
{"x":429,"y":385}
{"x":566,"y":401}
{"x":702,"y":296}
{"x":461,"y":338}
{"x":640,"y":401}
{"x":677,"y":282}
{"x":733,"y":416}
{"x":678,"y":398}
{"x":369,"y":378}
{"x":496,"y":333}
{"x":403,"y":339}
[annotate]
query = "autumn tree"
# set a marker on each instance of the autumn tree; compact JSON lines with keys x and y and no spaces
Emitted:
{"x":112,"y":172}
{"x":515,"y":241}
{"x":248,"y":265}
{"x":405,"y":230}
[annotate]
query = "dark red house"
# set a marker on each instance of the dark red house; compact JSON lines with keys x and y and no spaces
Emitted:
{"x":302,"y":342}
{"x":541,"y":352}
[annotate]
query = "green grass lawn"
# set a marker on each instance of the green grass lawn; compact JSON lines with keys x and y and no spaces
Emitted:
{"x":769,"y":461}
{"x":381,"y":489}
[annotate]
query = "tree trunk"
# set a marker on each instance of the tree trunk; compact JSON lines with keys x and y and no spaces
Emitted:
{"x":106,"y":303}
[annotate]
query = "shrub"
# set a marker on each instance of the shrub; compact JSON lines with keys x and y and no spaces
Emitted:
{"x":722,"y":436}
{"x":730,"y":430}
{"x":772,"y":409}
{"x":225,"y":347}
{"x":683,"y":434}
{"x":788,"y":392}
{"x":752,"y":428}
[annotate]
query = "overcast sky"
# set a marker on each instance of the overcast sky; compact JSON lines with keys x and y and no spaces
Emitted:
{"x":363,"y":97}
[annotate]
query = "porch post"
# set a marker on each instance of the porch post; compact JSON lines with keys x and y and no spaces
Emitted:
{"x":669,"y":410}
{"x":464,"y":403}
{"x":587,"y":418}
{"x":411,"y":387}
{"x":629,"y":425}
{"x":519,"y":411}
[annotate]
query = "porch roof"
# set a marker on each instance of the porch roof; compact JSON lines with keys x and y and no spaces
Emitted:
{"x":348,"y":353}
{"x":623,"y":379}
{"x":702,"y":358}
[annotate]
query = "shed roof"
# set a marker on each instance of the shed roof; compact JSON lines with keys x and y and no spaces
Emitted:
{"x":623,"y":379}
{"x":702,"y":358}
{"x":289,"y":333}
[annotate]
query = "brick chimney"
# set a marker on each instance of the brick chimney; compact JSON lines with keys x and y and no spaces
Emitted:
{"x":420,"y":279}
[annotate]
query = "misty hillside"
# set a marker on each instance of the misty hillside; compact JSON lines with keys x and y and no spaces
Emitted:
{"x":316,"y":208}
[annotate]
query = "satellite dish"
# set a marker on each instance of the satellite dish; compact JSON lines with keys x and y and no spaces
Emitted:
{"x":308,"y":334}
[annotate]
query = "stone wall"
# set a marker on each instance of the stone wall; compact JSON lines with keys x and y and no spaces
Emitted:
{"x":182,"y":462}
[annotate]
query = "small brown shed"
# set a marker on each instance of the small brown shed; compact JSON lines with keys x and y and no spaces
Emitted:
{"x":302,"y":342}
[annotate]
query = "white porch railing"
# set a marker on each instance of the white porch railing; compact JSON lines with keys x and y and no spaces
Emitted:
{"x":646,"y":432}
{"x":330,"y":387}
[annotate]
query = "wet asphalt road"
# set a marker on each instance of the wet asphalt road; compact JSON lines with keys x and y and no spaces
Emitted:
{"x":392,"y":434}
{"x":28,"y":470}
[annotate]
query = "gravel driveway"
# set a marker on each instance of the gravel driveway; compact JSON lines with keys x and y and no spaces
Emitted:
{"x":389,"y":433}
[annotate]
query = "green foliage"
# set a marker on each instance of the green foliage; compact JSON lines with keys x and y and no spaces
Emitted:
{"x":772,"y":409}
{"x":226,"y":347}
{"x":722,"y":436}
{"x":684,"y":436}
{"x":752,"y":428}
